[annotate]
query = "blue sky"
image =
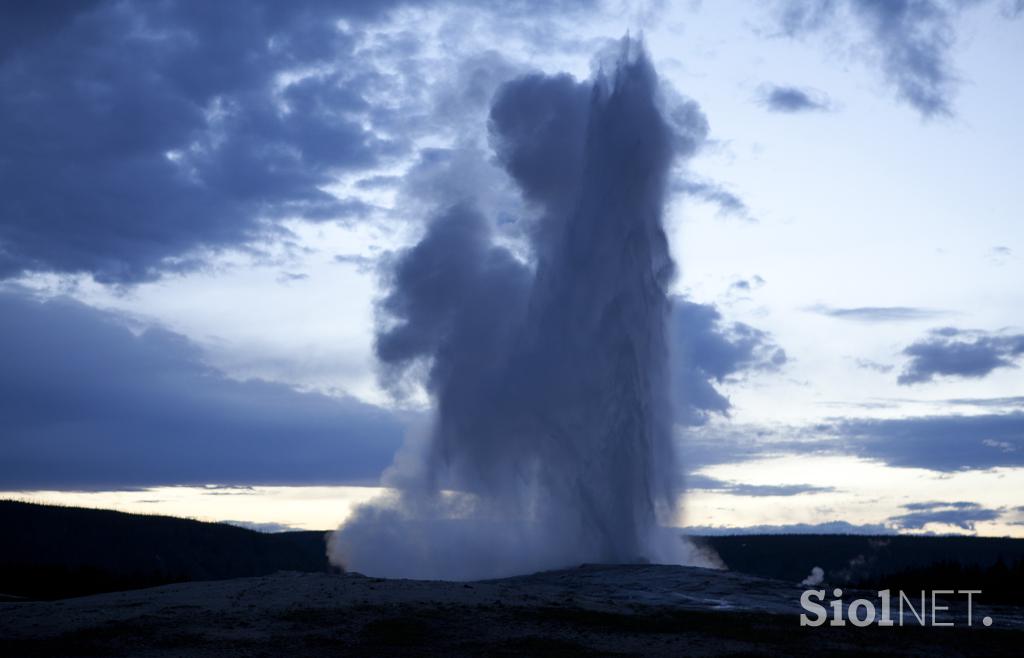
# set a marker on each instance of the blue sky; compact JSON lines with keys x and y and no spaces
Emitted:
{"x":201,"y":203}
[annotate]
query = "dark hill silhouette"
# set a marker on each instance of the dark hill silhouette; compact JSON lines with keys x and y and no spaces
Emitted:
{"x":911,"y":563}
{"x":54,"y":552}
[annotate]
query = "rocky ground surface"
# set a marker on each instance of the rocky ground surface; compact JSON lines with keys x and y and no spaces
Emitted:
{"x":590,"y":610}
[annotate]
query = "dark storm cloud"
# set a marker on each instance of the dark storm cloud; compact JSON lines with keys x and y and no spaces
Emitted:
{"x":708,"y":351}
{"x":794,"y":99}
{"x":86,"y":403}
{"x":964,"y":515}
{"x":910,"y":38}
{"x":953,"y":352}
{"x":878,"y":313}
{"x":135,"y":135}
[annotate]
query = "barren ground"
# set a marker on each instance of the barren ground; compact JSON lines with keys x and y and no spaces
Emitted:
{"x":594,"y":609}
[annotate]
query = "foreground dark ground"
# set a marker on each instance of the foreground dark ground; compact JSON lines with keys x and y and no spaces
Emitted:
{"x":228,"y":591}
{"x":591,"y":610}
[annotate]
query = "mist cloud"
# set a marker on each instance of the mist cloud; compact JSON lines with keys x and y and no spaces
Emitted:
{"x":547,"y":363}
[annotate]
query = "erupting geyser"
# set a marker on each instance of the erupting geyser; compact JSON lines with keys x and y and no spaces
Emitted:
{"x":551,"y":442}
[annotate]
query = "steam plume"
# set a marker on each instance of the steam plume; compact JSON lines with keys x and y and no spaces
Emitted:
{"x":551,"y":443}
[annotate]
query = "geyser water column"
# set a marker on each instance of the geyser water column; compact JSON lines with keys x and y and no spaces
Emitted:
{"x":594,"y":359}
{"x":551,"y":442}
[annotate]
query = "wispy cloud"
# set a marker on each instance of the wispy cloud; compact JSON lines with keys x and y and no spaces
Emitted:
{"x":868,"y":364}
{"x":877,"y":313}
{"x":363,"y":264}
{"x":961,"y":514}
{"x":825,"y":528}
{"x":792,"y":100}
{"x":1014,"y":401}
{"x":747,"y":285}
{"x":729,"y":204}
{"x":706,"y":483}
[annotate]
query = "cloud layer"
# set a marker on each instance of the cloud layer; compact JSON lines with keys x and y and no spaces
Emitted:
{"x":89,"y":403}
{"x":939,"y":443}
